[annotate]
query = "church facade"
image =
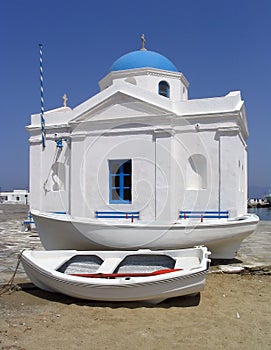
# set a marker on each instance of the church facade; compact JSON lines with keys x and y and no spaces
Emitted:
{"x":141,"y":145}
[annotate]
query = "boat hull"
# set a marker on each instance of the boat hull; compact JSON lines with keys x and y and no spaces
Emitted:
{"x":222,"y":237}
{"x":152,"y":289}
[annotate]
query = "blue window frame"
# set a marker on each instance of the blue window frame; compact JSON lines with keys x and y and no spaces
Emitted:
{"x":120,"y":181}
{"x":163,"y":89}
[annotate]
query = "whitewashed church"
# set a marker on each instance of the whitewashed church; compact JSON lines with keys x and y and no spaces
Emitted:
{"x":141,"y":146}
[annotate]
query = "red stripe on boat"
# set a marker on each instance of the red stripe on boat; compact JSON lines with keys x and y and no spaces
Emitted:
{"x":114,"y":275}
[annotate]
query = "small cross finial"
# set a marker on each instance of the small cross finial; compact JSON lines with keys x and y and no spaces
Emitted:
{"x":65,"y":99}
{"x":143,"y":40}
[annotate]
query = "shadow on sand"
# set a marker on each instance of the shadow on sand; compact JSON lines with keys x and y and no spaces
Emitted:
{"x":184,"y":301}
{"x":216,"y":262}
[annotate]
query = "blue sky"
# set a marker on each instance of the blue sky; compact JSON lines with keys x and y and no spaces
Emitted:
{"x":219,"y":45}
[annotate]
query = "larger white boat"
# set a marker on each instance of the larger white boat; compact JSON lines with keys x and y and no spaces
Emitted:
{"x":222,"y":236}
{"x":119,"y":276}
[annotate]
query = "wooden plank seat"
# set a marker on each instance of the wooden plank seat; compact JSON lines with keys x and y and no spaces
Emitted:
{"x":117,"y":215}
{"x":189,"y":214}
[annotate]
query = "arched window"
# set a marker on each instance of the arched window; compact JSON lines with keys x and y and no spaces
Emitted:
{"x":163,"y":88}
{"x":196,"y":172}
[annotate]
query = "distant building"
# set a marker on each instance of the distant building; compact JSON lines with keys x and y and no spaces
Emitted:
{"x":15,"y":197}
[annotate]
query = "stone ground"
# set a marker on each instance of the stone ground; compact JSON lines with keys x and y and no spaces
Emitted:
{"x":254,"y":253}
{"x":13,"y":239}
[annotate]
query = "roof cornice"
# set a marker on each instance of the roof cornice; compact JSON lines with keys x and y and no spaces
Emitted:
{"x":107,"y":80}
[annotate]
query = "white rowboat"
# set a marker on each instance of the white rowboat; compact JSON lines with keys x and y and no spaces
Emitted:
{"x":119,"y":275}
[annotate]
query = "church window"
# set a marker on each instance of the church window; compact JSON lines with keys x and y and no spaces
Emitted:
{"x":120,"y":181}
{"x":163,"y":88}
{"x":196,"y":172}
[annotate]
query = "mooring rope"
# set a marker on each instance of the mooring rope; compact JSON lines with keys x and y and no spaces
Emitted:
{"x":10,"y":286}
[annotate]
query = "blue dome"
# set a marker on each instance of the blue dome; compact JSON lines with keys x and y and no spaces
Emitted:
{"x":141,"y":59}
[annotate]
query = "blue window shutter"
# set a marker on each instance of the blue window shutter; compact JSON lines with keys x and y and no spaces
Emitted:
{"x":120,"y":181}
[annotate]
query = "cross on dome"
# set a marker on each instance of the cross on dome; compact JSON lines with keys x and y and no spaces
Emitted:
{"x":143,"y":40}
{"x":65,"y":99}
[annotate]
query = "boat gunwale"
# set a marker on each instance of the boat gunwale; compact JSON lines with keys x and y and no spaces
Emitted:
{"x":122,"y":282}
{"x":246,"y":219}
{"x":66,"y":278}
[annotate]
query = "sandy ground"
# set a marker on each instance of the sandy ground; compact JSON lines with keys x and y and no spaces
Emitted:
{"x":233,"y":312}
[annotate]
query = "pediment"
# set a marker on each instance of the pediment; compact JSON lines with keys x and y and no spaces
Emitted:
{"x":119,"y":106}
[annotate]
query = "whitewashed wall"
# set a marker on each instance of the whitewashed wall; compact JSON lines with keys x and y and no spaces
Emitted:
{"x":188,"y":155}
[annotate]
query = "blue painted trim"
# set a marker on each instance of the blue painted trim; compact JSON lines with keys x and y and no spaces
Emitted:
{"x":191,"y":216}
{"x":59,"y":143}
{"x":204,"y":214}
{"x":118,"y":212}
{"x":59,"y":212}
{"x":121,"y":176}
{"x":116,"y":215}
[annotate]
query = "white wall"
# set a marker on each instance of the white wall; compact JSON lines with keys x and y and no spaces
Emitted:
{"x":49,"y":176}
{"x":90,"y":173}
{"x":175,"y":166}
{"x":233,"y":174}
{"x":201,"y":194}
{"x":148,"y":79}
{"x":76,"y":178}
